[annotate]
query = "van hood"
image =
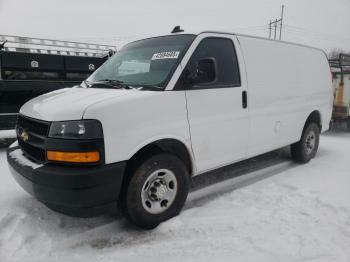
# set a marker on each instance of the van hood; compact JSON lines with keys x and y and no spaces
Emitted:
{"x":68,"y":103}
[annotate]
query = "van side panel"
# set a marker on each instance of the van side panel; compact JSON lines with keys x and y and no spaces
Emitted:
{"x":314,"y":72}
{"x":286,"y":82}
{"x":133,"y":122}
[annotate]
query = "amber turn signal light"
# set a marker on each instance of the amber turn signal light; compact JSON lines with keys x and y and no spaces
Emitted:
{"x":74,"y":157}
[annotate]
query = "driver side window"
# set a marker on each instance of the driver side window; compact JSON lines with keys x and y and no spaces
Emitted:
{"x":212,"y":65}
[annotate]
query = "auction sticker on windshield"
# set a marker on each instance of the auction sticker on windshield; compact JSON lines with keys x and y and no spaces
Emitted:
{"x":166,"y":55}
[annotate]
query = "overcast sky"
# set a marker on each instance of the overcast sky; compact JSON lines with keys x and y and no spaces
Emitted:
{"x":321,"y":23}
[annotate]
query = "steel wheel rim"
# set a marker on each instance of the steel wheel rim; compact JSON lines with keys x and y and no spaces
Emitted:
{"x":310,"y":142}
{"x":159,"y":191}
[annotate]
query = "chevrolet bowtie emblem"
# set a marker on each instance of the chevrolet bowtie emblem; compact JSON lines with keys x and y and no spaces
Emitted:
{"x":24,"y":136}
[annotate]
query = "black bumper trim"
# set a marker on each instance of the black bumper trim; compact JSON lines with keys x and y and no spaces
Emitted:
{"x":70,"y":187}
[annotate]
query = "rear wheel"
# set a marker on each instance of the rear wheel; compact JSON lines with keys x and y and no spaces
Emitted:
{"x":305,"y":149}
{"x":157,"y":190}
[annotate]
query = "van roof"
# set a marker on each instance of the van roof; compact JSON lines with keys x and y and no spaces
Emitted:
{"x":262,"y":38}
{"x":243,"y":35}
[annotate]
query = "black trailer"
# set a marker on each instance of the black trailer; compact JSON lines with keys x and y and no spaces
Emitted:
{"x":30,"y":67}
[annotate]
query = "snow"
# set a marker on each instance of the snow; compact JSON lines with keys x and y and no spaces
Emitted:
{"x":14,"y":144}
{"x":7,"y":134}
{"x":18,"y":156}
{"x":280,"y":212}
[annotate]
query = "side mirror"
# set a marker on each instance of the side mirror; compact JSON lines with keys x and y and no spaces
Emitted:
{"x":205,"y":72}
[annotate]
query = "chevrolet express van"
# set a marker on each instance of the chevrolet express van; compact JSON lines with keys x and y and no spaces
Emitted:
{"x":163,"y":110}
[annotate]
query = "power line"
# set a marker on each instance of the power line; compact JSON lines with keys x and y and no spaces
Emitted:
{"x":307,"y":36}
{"x":309,"y":31}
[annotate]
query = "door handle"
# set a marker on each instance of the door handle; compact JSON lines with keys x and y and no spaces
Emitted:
{"x":244,"y":99}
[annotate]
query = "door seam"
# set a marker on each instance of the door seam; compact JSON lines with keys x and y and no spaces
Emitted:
{"x":189,"y":130}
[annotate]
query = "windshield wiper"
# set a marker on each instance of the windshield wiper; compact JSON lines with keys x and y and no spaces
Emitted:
{"x":113,"y":82}
{"x":87,"y":83}
{"x":152,"y":87}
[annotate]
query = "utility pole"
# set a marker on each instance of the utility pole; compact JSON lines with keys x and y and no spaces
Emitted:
{"x":276,"y":23}
{"x":281,"y":22}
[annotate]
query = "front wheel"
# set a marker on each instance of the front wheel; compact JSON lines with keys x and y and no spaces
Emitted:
{"x":157,"y":190}
{"x":306,"y":148}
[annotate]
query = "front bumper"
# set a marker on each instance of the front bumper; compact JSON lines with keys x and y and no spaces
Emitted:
{"x":78,"y":191}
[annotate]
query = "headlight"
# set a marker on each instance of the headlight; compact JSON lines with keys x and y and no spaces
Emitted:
{"x":81,"y":129}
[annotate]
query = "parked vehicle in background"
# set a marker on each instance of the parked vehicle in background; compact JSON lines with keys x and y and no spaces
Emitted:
{"x":341,"y":84}
{"x":163,"y":110}
{"x":30,"y":67}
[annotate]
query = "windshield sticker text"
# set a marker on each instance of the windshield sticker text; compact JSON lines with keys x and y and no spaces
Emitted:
{"x":166,"y":55}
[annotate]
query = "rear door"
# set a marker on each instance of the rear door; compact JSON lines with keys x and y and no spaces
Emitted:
{"x":217,"y":108}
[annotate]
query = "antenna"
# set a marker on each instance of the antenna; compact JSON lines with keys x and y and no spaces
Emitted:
{"x":177,"y":29}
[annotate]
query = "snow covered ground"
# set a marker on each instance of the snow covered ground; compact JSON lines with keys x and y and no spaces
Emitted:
{"x":6,"y":137}
{"x":5,"y":134}
{"x":280,"y":211}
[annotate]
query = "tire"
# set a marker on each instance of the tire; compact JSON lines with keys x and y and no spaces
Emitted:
{"x":348,"y":123}
{"x":305,"y":149}
{"x":156,"y":191}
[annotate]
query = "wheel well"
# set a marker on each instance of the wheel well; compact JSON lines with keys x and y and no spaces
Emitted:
{"x":314,"y":117}
{"x":171,"y":146}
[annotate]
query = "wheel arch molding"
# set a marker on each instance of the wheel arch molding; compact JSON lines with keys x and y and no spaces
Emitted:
{"x":171,"y":145}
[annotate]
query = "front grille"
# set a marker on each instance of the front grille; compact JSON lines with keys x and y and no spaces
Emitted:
{"x":34,"y":126}
{"x":37,"y":131}
{"x":35,"y":153}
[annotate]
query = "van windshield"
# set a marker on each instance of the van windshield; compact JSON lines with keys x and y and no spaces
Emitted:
{"x":149,"y":62}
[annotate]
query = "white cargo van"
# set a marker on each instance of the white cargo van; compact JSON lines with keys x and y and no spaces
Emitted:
{"x":163,"y":110}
